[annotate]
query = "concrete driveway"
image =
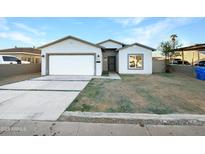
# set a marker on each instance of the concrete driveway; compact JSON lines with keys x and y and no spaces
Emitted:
{"x":43,"y":98}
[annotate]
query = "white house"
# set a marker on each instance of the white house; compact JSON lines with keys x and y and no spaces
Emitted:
{"x":74,"y":56}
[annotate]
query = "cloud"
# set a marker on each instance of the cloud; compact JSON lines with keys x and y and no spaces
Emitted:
{"x":131,"y":21}
{"x":19,"y":32}
{"x":16,"y":36}
{"x":29,"y":29}
{"x":7,"y":33}
{"x":154,"y":33}
{"x":3,"y":24}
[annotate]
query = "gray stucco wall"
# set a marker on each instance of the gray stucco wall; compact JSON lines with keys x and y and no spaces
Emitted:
{"x":105,"y":58}
{"x":158,"y":66}
{"x":188,"y":70}
{"x":18,"y":69}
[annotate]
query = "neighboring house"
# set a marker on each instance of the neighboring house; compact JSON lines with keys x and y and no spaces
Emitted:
{"x":192,"y":54}
{"x":26,"y":54}
{"x":157,"y":55}
{"x":74,"y":56}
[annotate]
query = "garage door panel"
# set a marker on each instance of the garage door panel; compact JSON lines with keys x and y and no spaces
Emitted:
{"x":71,"y":64}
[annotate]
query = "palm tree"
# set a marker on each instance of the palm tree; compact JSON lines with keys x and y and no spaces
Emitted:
{"x":174,"y":40}
{"x":173,"y":37}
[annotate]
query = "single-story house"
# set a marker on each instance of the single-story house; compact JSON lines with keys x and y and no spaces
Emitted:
{"x":74,"y":56}
{"x":32,"y":55}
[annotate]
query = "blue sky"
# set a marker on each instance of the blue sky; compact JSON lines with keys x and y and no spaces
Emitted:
{"x":27,"y":32}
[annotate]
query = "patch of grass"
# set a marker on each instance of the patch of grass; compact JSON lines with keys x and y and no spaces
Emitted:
{"x":159,"y":109}
{"x":82,"y":108}
{"x":161,"y":93}
{"x":167,"y":74}
{"x":147,"y":94}
{"x":182,"y":104}
{"x":124,"y":105}
{"x":94,"y":90}
{"x":73,"y":107}
{"x":86,"y":107}
{"x":155,"y":105}
{"x":111,"y":110}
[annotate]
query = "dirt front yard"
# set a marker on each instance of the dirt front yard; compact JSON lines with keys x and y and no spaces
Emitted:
{"x":158,"y":93}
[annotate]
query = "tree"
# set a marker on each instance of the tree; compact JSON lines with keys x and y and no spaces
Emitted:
{"x":175,"y":45}
{"x":167,"y":49}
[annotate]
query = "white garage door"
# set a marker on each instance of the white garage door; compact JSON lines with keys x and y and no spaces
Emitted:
{"x":71,"y":65}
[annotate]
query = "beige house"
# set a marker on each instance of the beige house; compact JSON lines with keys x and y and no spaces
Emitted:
{"x":192,"y":54}
{"x":26,"y":54}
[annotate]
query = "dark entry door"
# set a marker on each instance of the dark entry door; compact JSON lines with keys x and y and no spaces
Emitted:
{"x":111,"y":63}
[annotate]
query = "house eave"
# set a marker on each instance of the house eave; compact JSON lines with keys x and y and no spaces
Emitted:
{"x":111,"y":40}
{"x":69,"y":37}
{"x":137,"y":44}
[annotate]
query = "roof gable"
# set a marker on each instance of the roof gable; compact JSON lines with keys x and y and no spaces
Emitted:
{"x":66,"y":38}
{"x":111,"y":44}
{"x":110,"y":40}
{"x":137,"y":44}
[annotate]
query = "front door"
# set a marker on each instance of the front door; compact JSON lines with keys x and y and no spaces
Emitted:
{"x":111,"y":63}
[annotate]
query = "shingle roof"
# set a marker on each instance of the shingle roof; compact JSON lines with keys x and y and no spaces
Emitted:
{"x":27,"y":50}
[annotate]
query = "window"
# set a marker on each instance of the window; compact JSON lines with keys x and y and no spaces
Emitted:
{"x":135,"y":61}
{"x":7,"y":58}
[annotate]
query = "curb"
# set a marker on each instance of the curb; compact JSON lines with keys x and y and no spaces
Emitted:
{"x":134,"y":118}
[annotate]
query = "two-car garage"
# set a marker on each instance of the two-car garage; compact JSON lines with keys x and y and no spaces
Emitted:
{"x":71,"y":56}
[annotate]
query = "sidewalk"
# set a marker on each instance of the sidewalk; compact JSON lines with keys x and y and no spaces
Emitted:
{"x":46,"y":128}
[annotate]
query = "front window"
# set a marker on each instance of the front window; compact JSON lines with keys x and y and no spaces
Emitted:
{"x":135,"y":61}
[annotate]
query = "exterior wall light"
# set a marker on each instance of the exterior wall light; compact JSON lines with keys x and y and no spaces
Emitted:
{"x":98,"y":59}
